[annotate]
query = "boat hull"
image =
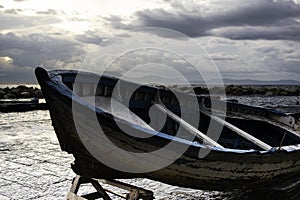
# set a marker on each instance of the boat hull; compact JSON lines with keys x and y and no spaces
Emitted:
{"x":219,"y":170}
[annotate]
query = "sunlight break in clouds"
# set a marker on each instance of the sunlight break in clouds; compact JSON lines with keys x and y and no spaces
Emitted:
{"x":258,"y":39}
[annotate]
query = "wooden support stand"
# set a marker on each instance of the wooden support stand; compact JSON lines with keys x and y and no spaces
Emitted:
{"x":134,"y":193}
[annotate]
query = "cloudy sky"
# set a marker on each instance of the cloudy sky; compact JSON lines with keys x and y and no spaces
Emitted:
{"x":257,"y":39}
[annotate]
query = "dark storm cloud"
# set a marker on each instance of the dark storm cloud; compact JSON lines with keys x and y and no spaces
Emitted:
{"x":194,"y":26}
{"x":29,"y":51}
{"x":189,"y":25}
{"x":246,"y":17}
{"x":254,"y":33}
{"x":33,"y":49}
{"x":257,"y":13}
{"x":33,"y":46}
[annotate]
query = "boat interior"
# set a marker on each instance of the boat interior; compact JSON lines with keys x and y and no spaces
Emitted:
{"x":140,"y":99}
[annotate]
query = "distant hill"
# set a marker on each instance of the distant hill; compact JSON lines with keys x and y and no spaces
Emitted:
{"x":258,"y":82}
{"x":250,"y":82}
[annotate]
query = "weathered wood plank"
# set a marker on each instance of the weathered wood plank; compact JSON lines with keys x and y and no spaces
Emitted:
{"x":100,"y":189}
{"x":73,"y":196}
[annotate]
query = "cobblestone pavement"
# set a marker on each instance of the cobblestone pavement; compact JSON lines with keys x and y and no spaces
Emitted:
{"x":32,"y":166}
{"x":37,"y":169}
{"x":34,"y":169}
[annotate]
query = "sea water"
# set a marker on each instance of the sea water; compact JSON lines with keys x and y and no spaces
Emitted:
{"x":32,"y":166}
{"x":16,"y":85}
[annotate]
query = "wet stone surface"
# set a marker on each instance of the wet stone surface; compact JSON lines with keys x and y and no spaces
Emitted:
{"x":31,"y":169}
{"x":32,"y":166}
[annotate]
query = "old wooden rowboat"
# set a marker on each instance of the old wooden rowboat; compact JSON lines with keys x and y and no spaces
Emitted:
{"x":251,"y":152}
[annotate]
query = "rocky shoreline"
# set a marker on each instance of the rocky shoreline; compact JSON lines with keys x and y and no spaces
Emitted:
{"x":19,"y":92}
{"x":263,"y":90}
{"x":23,"y":91}
{"x":239,"y":90}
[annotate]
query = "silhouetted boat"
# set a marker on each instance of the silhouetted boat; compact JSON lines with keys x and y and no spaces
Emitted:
{"x":256,"y":149}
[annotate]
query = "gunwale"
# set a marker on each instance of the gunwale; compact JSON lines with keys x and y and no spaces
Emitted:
{"x":291,"y":152}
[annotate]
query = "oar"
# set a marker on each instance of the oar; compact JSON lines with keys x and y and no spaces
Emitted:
{"x":240,"y":132}
{"x":187,"y":126}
